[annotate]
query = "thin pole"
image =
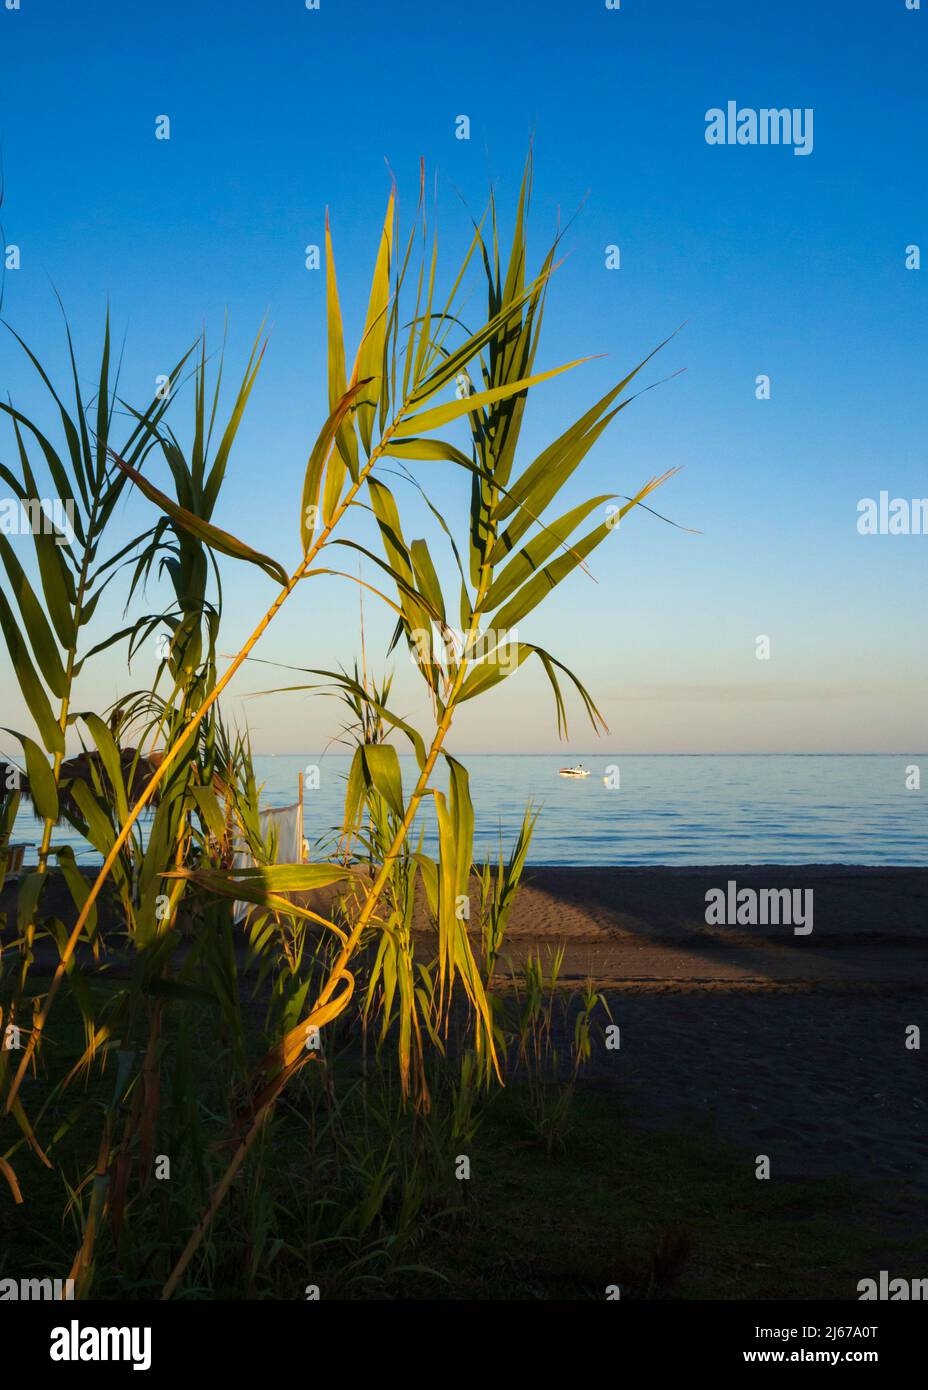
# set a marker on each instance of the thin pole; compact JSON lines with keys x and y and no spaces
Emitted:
{"x":300,"y":831}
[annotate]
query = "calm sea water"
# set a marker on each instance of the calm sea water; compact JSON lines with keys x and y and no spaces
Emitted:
{"x":708,"y":809}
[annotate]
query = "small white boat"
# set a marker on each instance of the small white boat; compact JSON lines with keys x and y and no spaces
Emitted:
{"x":578,"y":771}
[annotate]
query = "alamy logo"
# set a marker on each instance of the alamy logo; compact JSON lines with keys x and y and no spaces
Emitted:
{"x":765,"y":126}
{"x":38,"y":516}
{"x":893,"y":1290}
{"x":896,"y":517}
{"x":35,"y":1290}
{"x":732,"y":906}
{"x":76,"y":1343}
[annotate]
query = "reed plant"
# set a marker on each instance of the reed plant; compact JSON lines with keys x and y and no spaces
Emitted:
{"x":330,"y":966}
{"x":552,"y":1029}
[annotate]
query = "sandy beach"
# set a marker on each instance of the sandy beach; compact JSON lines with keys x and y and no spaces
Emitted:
{"x":795,"y":1046}
{"x":819,"y":1081}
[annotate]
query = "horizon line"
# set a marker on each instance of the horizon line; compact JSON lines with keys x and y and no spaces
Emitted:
{"x":716,"y":753}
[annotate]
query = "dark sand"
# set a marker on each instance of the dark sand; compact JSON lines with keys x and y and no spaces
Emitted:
{"x":794,"y":1045}
{"x":646,"y":928}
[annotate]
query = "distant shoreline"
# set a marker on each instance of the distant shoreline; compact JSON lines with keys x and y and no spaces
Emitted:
{"x":639,"y":906}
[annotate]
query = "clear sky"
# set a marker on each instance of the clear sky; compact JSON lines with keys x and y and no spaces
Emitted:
{"x":783,"y":265}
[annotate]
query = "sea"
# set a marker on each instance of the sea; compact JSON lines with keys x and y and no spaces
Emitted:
{"x":641,"y":809}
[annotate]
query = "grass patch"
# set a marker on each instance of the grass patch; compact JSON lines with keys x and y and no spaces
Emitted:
{"x":662,"y":1212}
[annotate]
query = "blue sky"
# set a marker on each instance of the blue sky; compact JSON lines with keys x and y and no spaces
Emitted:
{"x":784,"y":265}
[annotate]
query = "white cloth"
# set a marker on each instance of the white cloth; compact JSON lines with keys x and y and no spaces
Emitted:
{"x":288,"y":822}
